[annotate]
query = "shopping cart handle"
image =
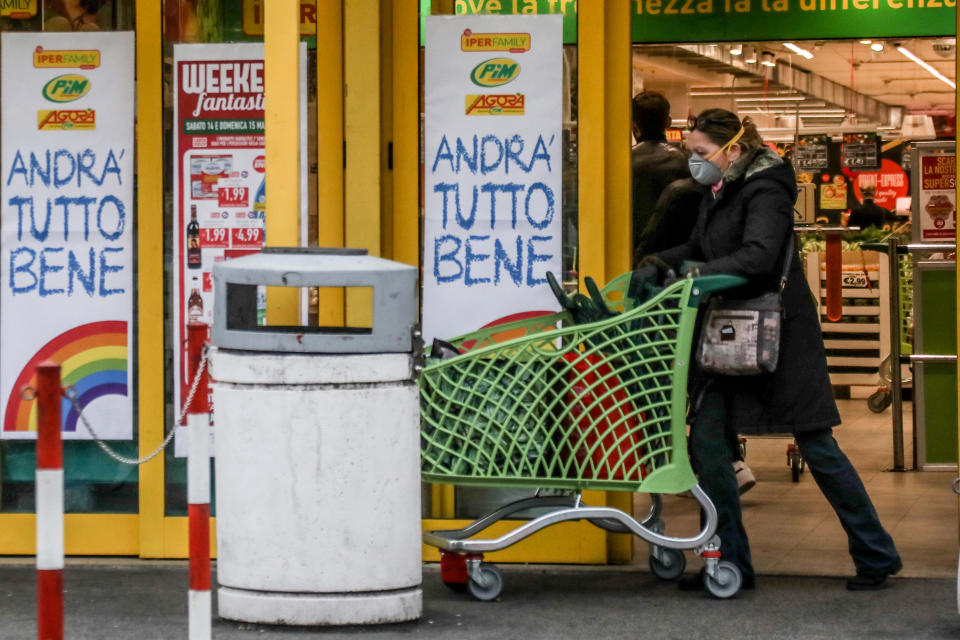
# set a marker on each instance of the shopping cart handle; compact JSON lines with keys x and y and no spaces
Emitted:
{"x":883,"y":247}
{"x":703,"y":286}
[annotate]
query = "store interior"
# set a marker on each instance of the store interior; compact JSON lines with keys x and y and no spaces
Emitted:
{"x":889,"y":94}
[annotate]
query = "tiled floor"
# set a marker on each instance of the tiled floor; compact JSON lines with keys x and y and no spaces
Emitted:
{"x":792,"y":528}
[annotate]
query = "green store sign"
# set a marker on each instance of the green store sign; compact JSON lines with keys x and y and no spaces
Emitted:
{"x":745,"y":20}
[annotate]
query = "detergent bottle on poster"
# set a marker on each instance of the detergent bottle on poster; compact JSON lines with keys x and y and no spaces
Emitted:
{"x":260,"y":200}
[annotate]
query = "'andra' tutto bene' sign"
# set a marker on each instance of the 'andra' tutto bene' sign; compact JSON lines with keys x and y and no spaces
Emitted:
{"x":492,"y":183}
{"x":66,"y":226}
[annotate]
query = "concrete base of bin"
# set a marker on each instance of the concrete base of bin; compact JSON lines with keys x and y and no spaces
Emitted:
{"x":318,"y":488}
{"x":316,"y":610}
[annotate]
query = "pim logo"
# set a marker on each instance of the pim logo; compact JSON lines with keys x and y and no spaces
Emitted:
{"x":495,"y":72}
{"x":66,"y":88}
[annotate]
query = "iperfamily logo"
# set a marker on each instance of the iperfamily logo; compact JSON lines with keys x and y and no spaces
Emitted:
{"x":66,"y":58}
{"x":66,"y":119}
{"x":66,"y":88}
{"x":495,"y":105}
{"x":512,"y":42}
{"x":495,"y":72}
{"x":18,"y":9}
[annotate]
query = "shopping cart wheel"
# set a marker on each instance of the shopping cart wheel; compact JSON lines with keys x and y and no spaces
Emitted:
{"x":487,"y":582}
{"x":453,"y":571}
{"x":670,"y":565}
{"x":879,"y":401}
{"x":727,"y":581}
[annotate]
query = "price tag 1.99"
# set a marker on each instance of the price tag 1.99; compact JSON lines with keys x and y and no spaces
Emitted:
{"x":214,"y":238}
{"x":246,"y":237}
{"x":233,"y":196}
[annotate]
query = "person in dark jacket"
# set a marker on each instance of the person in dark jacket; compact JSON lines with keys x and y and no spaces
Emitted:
{"x":654,"y":163}
{"x":673,"y":219}
{"x":746,"y":217}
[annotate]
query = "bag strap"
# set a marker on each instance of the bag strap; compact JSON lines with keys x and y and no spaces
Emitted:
{"x":787,"y":261}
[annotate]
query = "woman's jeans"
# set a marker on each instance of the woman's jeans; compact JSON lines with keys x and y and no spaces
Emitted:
{"x":711,"y":452}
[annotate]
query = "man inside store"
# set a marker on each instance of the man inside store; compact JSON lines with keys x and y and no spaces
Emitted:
{"x":655,"y":166}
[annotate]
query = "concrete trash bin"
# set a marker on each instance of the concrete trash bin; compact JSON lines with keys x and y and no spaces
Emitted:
{"x":317,"y":452}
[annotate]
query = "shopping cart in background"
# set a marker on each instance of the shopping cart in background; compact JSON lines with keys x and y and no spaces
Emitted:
{"x":880,"y":399}
{"x":562,"y":406}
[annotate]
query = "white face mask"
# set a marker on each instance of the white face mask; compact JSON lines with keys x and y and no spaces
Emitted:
{"x":703,"y":170}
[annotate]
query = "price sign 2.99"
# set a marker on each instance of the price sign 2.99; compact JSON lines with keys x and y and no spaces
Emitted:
{"x":246,"y":237}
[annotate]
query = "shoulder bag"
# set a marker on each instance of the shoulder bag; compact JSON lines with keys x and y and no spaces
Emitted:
{"x":742,"y":337}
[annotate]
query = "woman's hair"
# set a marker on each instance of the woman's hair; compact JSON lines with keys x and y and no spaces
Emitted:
{"x":721,"y":126}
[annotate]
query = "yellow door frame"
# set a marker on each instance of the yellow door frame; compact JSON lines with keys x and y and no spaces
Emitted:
{"x":603,"y":179}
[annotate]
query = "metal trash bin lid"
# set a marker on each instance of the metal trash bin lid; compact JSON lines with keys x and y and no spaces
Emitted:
{"x":394,"y":293}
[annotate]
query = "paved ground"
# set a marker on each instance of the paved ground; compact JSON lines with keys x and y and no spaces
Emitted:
{"x":149,"y":602}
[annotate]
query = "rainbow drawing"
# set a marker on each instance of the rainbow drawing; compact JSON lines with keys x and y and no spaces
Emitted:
{"x":94,"y":360}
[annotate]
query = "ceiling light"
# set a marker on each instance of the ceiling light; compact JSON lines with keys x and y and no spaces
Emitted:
{"x":877,"y":46}
{"x":750,"y":57}
{"x":798,"y":50}
{"x":768,"y":59}
{"x":736,"y":49}
{"x":928,"y":67}
{"x":866,"y":41}
{"x":773,"y":99}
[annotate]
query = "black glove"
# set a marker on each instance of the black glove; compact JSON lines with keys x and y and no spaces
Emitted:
{"x":648,"y":278}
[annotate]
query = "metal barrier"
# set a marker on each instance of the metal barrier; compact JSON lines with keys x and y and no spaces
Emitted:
{"x":49,"y":489}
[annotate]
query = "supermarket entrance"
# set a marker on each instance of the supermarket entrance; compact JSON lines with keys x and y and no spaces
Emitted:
{"x":865,"y":122}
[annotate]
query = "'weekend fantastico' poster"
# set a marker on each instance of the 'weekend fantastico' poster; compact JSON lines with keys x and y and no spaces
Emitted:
{"x":67,"y":226}
{"x":220,"y":184}
{"x":492,"y":163}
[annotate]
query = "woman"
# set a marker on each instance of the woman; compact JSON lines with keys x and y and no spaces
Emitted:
{"x":745,"y":219}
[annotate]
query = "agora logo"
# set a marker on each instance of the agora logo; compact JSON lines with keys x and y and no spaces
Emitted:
{"x":66,"y":88}
{"x":495,"y":72}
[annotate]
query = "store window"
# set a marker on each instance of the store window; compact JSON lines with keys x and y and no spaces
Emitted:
{"x":93,"y":482}
{"x":198,"y":24}
{"x":473,"y":502}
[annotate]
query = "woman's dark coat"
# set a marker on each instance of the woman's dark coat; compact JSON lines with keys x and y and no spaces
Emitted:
{"x":743,"y":231}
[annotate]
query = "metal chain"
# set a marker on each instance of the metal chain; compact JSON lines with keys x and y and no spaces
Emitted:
{"x":72,"y":396}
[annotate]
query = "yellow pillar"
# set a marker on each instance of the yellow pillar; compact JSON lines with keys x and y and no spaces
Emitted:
{"x":330,"y":149}
{"x":361,"y":71}
{"x":617,"y":87}
{"x":281,"y":36}
{"x":150,"y":162}
{"x":406,"y":132}
{"x":591,"y":203}
{"x":604,"y":166}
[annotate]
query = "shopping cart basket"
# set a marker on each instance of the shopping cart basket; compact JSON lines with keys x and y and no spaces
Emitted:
{"x":544,"y":404}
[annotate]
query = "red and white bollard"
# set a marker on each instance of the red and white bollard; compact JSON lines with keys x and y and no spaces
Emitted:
{"x":49,"y":498}
{"x":198,"y":488}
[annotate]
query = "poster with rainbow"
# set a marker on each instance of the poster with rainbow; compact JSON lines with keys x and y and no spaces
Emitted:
{"x":67,"y":228}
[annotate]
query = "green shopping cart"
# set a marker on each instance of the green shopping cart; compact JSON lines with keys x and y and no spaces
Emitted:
{"x":562,"y":407}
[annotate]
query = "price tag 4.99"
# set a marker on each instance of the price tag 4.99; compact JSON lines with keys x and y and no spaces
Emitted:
{"x":246,"y":237}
